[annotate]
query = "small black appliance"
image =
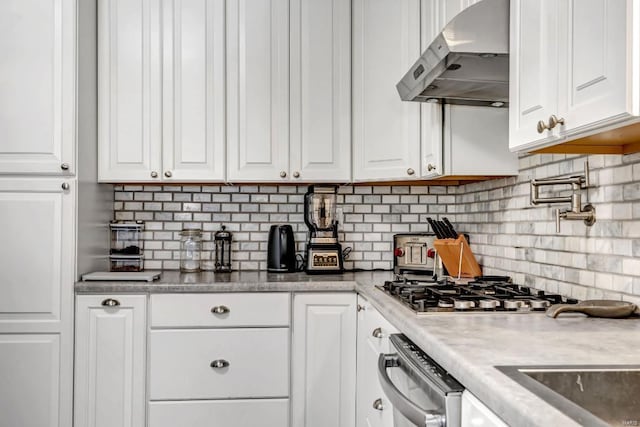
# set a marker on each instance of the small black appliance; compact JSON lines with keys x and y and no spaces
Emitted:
{"x":281,"y":250}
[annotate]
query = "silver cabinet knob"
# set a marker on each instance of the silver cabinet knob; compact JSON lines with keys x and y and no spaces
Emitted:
{"x":167,"y":174}
{"x":283,"y":174}
{"x":360,"y":307}
{"x":110,"y":302}
{"x":555,"y":121}
{"x":220,"y":309}
{"x":219,"y":364}
{"x":154,"y":174}
{"x":65,"y":186}
{"x":430,"y":167}
{"x":410,"y":171}
{"x":377,"y":333}
{"x":377,"y":405}
{"x":296,"y":174}
{"x":64,"y":166}
{"x":542,"y":126}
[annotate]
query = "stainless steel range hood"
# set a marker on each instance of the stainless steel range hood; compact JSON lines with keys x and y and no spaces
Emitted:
{"x":468,"y":63}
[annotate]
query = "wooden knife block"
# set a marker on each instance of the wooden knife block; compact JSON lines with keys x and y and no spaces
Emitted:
{"x":457,"y":257}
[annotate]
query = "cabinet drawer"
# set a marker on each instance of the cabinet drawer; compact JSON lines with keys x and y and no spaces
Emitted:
{"x":181,"y":363}
{"x":228,"y":413}
{"x":220,"y":310}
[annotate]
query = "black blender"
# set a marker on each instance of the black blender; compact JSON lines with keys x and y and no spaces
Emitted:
{"x":324,"y":253}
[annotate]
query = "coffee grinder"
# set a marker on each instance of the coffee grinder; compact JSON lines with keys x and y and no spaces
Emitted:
{"x":324,"y":253}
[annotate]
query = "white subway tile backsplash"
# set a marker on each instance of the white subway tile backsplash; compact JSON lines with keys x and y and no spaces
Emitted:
{"x":508,"y":235}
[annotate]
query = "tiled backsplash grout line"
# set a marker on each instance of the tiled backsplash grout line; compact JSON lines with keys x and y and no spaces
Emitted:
{"x":372,"y":214}
{"x":508,"y":235}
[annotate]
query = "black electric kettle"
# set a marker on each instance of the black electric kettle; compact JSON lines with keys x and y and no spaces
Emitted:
{"x":281,"y":251}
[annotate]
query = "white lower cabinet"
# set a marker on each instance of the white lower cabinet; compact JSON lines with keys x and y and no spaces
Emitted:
{"x":230,"y":413}
{"x":372,"y":407}
{"x":219,"y":363}
{"x":323,"y":360}
{"x":30,"y":373}
{"x":475,"y":413}
{"x":219,"y":359}
{"x":36,"y":300}
{"x":110,"y":361}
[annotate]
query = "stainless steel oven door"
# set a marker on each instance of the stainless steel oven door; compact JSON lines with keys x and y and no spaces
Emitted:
{"x":417,"y":391}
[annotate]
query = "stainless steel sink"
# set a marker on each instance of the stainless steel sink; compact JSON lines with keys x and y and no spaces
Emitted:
{"x":593,"y":395}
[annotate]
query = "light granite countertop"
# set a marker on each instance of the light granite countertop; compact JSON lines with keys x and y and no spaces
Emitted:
{"x":244,"y":281}
{"x":469,"y":346}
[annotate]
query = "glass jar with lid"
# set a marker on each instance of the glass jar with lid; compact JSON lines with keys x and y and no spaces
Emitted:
{"x":190,"y":248}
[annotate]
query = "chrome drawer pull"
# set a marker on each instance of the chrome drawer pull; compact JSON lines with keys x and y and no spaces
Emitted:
{"x":220,"y":309}
{"x":377,"y":333}
{"x":219,"y":364}
{"x":110,"y":302}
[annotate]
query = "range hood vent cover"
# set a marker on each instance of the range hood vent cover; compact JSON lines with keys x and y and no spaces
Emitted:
{"x":468,"y":63}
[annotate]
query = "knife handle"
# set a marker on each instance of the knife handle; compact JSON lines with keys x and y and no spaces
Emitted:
{"x":434,"y":228}
{"x":450,"y":227}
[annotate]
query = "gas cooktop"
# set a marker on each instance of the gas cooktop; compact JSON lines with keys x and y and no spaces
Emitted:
{"x":483,"y":294}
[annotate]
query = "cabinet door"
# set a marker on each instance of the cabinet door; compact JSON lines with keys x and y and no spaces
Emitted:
{"x":321,"y":90}
{"x":431,"y":114}
{"x":30,"y":372}
{"x":323,"y":360}
{"x":258,"y":90}
{"x":37,"y":94}
{"x":386,"y":133}
{"x":593,"y":67}
{"x":129,"y":90}
{"x":193,"y":90}
{"x":372,"y":406}
{"x":110,"y":361}
{"x":533,"y":72}
{"x":36,"y":255}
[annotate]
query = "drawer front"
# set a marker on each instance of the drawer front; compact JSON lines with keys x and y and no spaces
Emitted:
{"x":220,"y":310}
{"x":181,"y":363}
{"x":374,"y":326}
{"x":228,"y":413}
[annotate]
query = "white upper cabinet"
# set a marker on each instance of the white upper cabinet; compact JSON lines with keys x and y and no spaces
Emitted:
{"x":37,"y":93}
{"x":129,"y":90}
{"x":573,"y":70}
{"x":289,"y":90}
{"x":193,"y":92}
{"x":321,"y":90}
{"x":533,"y":80}
{"x":386,"y":130}
{"x":258,"y":90}
{"x":593,"y":63}
{"x":431,"y":114}
{"x":161,"y":87}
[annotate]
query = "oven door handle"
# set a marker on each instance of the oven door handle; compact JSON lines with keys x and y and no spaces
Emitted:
{"x":400,"y":402}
